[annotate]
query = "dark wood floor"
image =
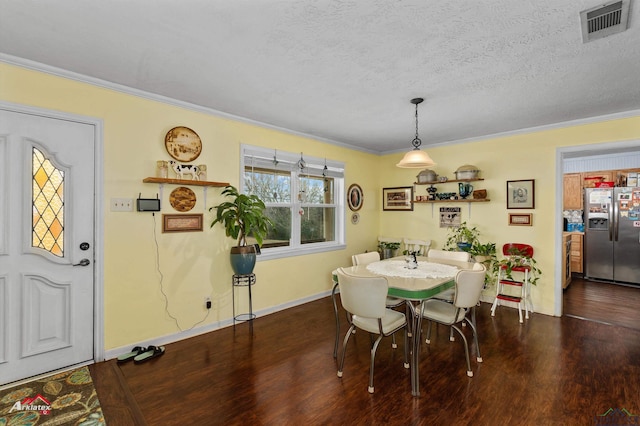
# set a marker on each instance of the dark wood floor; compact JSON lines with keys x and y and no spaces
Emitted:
{"x":604,"y":302}
{"x":547,"y":371}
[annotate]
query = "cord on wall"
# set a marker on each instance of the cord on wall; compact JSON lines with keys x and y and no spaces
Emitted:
{"x":166,"y":298}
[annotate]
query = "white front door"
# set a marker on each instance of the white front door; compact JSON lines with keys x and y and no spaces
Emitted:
{"x":46,"y":244}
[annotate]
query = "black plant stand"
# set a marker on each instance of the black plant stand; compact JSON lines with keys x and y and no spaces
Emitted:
{"x":243,"y":281}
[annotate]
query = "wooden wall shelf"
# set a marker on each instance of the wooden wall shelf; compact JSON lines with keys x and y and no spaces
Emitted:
{"x":184,"y":182}
{"x":461,"y":200}
{"x":448,"y":181}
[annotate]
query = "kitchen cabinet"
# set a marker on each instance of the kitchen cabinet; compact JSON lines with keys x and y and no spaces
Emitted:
{"x":566,"y":260}
{"x":572,"y":191}
{"x":589,"y":179}
{"x":576,"y":252}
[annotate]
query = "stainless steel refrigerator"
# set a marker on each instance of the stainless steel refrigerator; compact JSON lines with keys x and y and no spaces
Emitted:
{"x":612,"y":234}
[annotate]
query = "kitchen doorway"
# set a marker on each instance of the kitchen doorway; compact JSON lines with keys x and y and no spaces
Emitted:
{"x":578,"y":159}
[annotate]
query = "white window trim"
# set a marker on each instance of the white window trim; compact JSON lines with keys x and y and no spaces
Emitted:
{"x":296,"y":249}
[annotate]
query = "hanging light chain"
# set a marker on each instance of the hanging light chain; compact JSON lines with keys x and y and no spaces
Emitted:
{"x":416,"y":142}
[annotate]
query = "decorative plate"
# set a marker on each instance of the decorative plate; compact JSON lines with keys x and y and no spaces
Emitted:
{"x":183,"y":144}
{"x":355,"y":197}
{"x":182,"y":199}
{"x":355,"y":218}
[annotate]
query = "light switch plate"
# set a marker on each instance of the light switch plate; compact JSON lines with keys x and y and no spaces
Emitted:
{"x":122,"y":204}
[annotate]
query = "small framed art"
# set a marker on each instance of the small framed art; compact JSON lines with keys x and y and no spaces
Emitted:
{"x":520,"y":219}
{"x":181,"y":222}
{"x":521,"y":194}
{"x":355,"y":197}
{"x":400,"y":198}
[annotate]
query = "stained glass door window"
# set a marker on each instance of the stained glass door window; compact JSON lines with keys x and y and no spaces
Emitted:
{"x":48,"y":204}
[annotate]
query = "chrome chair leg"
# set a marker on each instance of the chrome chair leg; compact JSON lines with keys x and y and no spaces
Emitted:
{"x":373,"y":358}
{"x":335,"y":310}
{"x":466,"y":351}
{"x":344,"y":349}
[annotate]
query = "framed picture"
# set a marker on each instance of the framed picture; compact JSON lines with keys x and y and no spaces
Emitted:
{"x":397,"y":198}
{"x":355,"y":198}
{"x":521,"y":194}
{"x":181,"y":222}
{"x":520,"y":219}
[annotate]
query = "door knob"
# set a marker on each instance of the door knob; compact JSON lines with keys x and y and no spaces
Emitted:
{"x":83,"y":262}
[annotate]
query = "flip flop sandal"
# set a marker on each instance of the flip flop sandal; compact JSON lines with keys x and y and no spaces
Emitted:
{"x":151,"y":352}
{"x":137,"y":350}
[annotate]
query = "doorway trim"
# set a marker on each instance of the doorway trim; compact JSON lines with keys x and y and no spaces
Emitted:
{"x":98,"y":279}
{"x":588,"y":150}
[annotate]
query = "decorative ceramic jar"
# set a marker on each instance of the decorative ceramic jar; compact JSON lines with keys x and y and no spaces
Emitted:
{"x":162,"y":170}
{"x":203,"y":172}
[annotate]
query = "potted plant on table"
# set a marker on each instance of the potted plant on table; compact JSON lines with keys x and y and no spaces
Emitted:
{"x":241,"y":217}
{"x":388,"y":249}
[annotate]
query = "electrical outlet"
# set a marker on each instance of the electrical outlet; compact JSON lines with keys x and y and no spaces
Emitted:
{"x":122,"y":204}
{"x":207,"y":302}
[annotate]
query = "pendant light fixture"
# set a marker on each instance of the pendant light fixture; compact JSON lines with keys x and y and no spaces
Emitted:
{"x":416,"y":158}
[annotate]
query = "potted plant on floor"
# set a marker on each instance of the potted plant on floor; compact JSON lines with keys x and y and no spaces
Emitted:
{"x":461,"y":237}
{"x":241,"y":217}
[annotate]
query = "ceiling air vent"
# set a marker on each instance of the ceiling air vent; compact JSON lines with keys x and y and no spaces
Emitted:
{"x":602,"y":21}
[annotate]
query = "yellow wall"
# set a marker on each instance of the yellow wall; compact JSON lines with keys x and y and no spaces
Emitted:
{"x":195,"y":265}
{"x":527,"y":156}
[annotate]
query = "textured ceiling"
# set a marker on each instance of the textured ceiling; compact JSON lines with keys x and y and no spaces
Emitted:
{"x":344,"y":70}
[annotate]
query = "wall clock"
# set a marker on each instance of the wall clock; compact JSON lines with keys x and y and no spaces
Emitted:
{"x":183,"y":144}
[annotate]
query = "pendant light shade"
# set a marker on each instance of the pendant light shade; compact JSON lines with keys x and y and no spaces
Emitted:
{"x":416,"y":158}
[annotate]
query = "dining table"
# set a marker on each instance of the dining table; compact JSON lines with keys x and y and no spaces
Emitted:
{"x":414,"y":280}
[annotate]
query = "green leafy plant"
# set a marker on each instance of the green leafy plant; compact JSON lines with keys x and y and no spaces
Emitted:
{"x":385,"y":245}
{"x":387,"y":249}
{"x":242,"y":217}
{"x":478,"y":249}
{"x":515,"y":258}
{"x":486,"y":254}
{"x":461,"y":237}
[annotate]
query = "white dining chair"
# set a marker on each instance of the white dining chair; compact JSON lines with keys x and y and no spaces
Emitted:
{"x":364,"y":299}
{"x":370,"y":257}
{"x":461,"y":256}
{"x":365,"y":258}
{"x":468,"y":288}
{"x":421,"y":247}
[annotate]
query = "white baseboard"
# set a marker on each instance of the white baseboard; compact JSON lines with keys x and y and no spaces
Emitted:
{"x":175,"y":337}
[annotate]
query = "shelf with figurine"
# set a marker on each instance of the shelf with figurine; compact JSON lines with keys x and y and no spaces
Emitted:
{"x":465,"y":194}
{"x":444,"y":180}
{"x":198,"y":175}
{"x":454,"y":200}
{"x":184,"y":182}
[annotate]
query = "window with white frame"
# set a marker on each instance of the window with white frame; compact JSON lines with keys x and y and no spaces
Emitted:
{"x":304,"y":199}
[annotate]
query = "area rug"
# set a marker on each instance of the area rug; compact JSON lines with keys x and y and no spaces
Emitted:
{"x":67,"y":398}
